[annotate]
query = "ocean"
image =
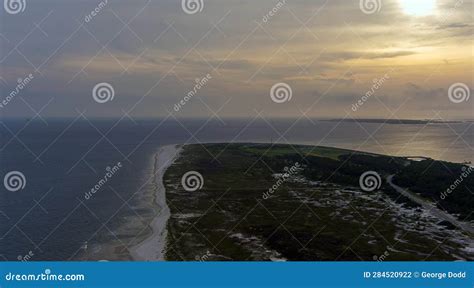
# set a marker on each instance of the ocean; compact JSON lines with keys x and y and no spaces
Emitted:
{"x":87,"y":182}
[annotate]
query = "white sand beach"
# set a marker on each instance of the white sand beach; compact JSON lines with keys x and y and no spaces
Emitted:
{"x":153,"y":247}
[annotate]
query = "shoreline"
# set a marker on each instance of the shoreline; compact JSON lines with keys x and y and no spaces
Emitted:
{"x":153,"y":247}
{"x":348,"y":149}
{"x":418,"y":234}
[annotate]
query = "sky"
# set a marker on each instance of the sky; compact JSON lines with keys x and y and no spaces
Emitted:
{"x":329,"y":59}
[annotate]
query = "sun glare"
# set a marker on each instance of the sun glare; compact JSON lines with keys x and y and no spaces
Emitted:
{"x":418,"y":7}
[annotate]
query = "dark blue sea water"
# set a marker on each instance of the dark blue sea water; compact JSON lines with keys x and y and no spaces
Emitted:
{"x":62,"y":159}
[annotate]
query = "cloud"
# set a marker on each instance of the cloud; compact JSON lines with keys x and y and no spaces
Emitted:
{"x":350,"y":55}
{"x":153,"y":48}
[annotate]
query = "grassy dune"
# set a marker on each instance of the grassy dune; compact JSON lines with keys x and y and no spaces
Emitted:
{"x":317,"y":213}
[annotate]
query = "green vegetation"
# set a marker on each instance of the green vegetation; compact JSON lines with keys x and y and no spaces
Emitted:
{"x":442,"y":183}
{"x":285,"y":150}
{"x":319,"y":213}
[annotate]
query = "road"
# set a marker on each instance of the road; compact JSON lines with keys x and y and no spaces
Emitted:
{"x":431,"y":207}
